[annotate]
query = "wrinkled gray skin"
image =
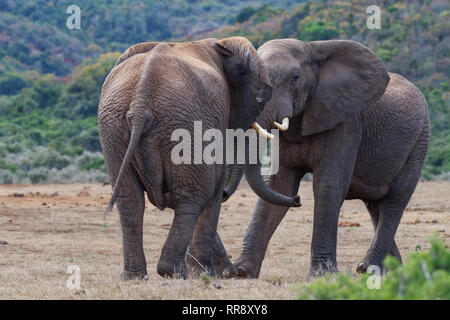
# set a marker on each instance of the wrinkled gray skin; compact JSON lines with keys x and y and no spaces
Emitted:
{"x":362,"y":132}
{"x":154,"y":89}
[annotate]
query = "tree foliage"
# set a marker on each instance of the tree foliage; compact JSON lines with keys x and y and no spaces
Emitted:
{"x":51,"y":77}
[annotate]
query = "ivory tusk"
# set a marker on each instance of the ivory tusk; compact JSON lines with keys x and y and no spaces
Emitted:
{"x":284,"y":125}
{"x":262,"y":131}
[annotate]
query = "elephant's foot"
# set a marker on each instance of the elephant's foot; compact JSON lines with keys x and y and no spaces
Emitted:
{"x":134,"y":276}
{"x":362,"y":267}
{"x":371,"y":267}
{"x":219,"y":266}
{"x":201,"y":259}
{"x":370,"y":260}
{"x":224,"y":267}
{"x":246,"y":269}
{"x":172,"y":269}
{"x":196,"y":266}
{"x":322,"y":267}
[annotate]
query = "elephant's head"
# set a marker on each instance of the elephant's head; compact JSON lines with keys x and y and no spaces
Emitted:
{"x":247,"y":78}
{"x":249,"y":91}
{"x":316,"y":85}
{"x":319,"y":84}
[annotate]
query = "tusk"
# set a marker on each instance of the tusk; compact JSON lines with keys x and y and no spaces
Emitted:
{"x":284,"y":126}
{"x":262,"y":131}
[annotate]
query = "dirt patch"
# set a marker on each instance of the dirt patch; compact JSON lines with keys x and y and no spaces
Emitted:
{"x":50,"y":227}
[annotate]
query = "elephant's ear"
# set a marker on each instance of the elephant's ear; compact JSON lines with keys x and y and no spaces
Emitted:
{"x":136,"y":49}
{"x":247,"y":80}
{"x":350,"y":78}
{"x":242,"y":49}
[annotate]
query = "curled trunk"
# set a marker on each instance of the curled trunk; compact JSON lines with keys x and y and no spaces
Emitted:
{"x":256,"y":182}
{"x":234,"y":173}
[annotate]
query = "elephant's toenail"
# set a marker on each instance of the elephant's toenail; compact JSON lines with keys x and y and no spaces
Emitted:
{"x":362,"y":267}
{"x":242,"y":272}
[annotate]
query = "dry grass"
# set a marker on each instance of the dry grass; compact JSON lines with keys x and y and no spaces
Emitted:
{"x":46,"y":232}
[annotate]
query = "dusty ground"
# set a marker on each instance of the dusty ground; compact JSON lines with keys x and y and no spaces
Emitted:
{"x":49,"y":227}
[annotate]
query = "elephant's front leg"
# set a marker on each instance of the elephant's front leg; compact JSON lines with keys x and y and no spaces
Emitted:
{"x":324,"y":239}
{"x":330,"y":185}
{"x":266,"y":218}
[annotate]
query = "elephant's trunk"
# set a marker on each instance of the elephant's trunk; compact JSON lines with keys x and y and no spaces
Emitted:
{"x":234,"y":173}
{"x":256,"y":182}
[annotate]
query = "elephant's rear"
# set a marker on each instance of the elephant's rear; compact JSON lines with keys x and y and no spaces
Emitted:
{"x":172,"y":90}
{"x":117,"y":93}
{"x":394,"y":129}
{"x":409,"y":112}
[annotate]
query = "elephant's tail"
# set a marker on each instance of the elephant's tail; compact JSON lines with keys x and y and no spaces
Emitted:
{"x":139,"y":120}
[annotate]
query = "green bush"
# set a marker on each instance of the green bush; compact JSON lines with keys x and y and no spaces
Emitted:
{"x":91,"y":162}
{"x":11,"y":83}
{"x":38,"y":175}
{"x":8,"y":165}
{"x":317,"y":30}
{"x":385,"y":54}
{"x":48,"y":158}
{"x":245,"y":14}
{"x":426,"y":275}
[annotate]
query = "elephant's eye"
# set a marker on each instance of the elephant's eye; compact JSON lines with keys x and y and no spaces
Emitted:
{"x":259,"y":95}
{"x":295,"y":79}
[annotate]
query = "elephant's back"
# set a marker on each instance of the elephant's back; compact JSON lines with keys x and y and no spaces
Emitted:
{"x":404,"y":97}
{"x":172,"y":80}
{"x":401,"y":111}
{"x":184,"y":88}
{"x":119,"y":88}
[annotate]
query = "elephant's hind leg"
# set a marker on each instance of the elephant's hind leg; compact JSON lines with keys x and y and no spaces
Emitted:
{"x":131,"y":205}
{"x":172,"y":260}
{"x":374,"y":209}
{"x":388,"y":211}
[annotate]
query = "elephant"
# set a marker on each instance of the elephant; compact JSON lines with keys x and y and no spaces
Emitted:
{"x":154,"y":89}
{"x":362,"y":132}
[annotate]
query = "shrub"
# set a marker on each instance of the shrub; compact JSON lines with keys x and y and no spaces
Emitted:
{"x":91,"y":161}
{"x":384,"y":54}
{"x":426,"y":275}
{"x":11,"y":83}
{"x":7,"y":177}
{"x":48,"y":158}
{"x":317,"y":30}
{"x":245,"y":14}
{"x":38,"y":175}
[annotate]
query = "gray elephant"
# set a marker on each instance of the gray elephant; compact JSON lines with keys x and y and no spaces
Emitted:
{"x":361,"y":131}
{"x":154,"y":89}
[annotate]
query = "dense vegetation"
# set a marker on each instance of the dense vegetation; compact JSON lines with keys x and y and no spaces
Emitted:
{"x":425,"y":276}
{"x":51,"y":77}
{"x":48,"y":132}
{"x":34,"y":33}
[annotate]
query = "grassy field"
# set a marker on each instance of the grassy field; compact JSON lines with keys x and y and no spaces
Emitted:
{"x":49,"y":227}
